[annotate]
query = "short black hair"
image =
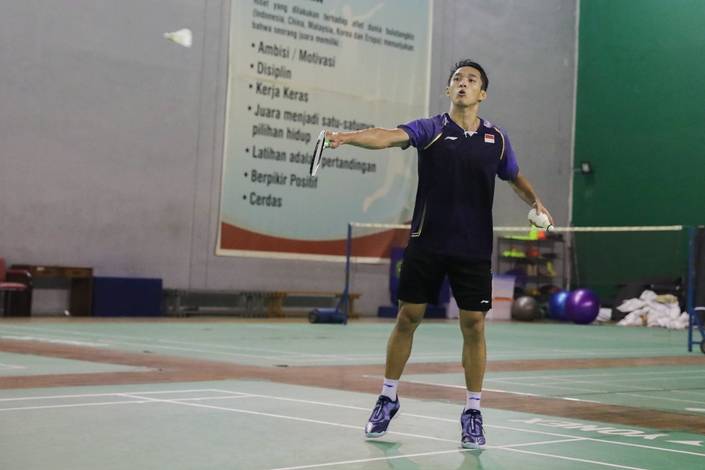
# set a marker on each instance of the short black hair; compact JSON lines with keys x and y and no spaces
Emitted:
{"x":475,"y":65}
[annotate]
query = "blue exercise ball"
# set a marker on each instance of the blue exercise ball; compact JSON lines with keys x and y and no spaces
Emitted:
{"x":582,"y":306}
{"x":556,"y":305}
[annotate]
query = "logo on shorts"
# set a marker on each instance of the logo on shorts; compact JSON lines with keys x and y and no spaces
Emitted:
{"x":484,"y":301}
{"x":450,"y":137}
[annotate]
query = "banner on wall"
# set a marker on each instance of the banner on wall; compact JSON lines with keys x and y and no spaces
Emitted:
{"x":299,"y":66}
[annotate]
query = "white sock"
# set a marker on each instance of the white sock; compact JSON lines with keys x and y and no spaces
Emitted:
{"x":389,"y":388}
{"x":472,"y":400}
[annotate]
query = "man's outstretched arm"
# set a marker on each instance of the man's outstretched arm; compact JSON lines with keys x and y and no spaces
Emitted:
{"x":372,"y":138}
{"x":526,"y":192}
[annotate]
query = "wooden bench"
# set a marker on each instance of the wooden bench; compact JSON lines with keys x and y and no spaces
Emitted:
{"x":272,"y":304}
{"x":276,"y":300}
{"x":186,"y":302}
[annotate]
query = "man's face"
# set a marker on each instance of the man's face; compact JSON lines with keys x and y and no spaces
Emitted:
{"x":465,"y":88}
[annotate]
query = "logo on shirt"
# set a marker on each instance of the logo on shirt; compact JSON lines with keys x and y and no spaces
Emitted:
{"x":489,"y":138}
{"x":450,"y":138}
{"x":484,"y":301}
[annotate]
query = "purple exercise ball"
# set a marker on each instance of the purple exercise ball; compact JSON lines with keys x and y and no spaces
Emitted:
{"x":582,"y":306}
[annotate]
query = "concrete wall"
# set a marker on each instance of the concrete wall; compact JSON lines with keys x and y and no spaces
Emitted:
{"x":112,"y":137}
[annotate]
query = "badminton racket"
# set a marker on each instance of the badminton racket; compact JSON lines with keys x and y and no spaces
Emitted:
{"x":321,"y":143}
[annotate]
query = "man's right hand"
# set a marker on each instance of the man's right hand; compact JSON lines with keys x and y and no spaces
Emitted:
{"x":334,"y":139}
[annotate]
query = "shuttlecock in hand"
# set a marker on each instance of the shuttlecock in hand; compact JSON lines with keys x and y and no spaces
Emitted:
{"x":540,"y":220}
{"x":182,"y":37}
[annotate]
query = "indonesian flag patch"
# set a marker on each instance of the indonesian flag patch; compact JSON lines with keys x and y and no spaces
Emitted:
{"x":489,"y":138}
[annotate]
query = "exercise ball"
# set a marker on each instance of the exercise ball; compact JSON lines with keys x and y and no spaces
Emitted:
{"x":327,"y":315}
{"x":525,"y":308}
{"x":556,"y":305}
{"x":582,"y":306}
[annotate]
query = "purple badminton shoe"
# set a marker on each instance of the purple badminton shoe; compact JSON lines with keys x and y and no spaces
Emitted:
{"x":384,"y":411}
{"x":473,"y":433}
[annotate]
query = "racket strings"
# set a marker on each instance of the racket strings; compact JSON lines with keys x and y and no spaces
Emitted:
{"x":317,"y":156}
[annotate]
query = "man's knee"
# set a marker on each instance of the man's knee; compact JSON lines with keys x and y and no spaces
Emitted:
{"x":410,"y":316}
{"x":472,"y":323}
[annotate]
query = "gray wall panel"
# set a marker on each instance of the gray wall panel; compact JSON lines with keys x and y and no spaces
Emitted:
{"x":527,"y":48}
{"x":100,"y":151}
{"x":112,"y":137}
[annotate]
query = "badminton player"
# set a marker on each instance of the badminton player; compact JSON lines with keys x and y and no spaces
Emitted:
{"x":459,"y":156}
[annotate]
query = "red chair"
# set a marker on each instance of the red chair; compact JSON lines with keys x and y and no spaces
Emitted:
{"x":16,"y":287}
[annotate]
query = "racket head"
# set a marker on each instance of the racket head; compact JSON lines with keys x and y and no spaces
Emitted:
{"x":318,"y":153}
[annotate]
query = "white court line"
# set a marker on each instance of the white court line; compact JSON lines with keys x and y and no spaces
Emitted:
{"x":272,"y":415}
{"x":458,"y":451}
{"x":627,"y":382}
{"x":554,"y":441}
{"x":376,"y":459}
{"x":218,"y":397}
{"x":357,"y":428}
{"x":578,"y":399}
{"x":142,"y":342}
{"x":433,"y":418}
{"x":690,"y":391}
{"x":542,"y":443}
{"x":573,"y":459}
{"x":508,"y":428}
{"x":678,"y":400}
{"x":11,"y":366}
{"x":463,"y":387}
{"x":146,"y":343}
{"x":299,"y":357}
{"x":548,"y":433}
{"x":146,"y":340}
{"x":616,"y":374}
{"x":74,"y":405}
{"x":686,"y":375}
{"x":53,"y":340}
{"x":575,"y":386}
{"x":290,"y":355}
{"x":524,"y":384}
{"x":110,"y":403}
{"x":94,"y":395}
{"x":248,"y":348}
{"x":524,"y":349}
{"x":405,"y":456}
{"x":297,"y":400}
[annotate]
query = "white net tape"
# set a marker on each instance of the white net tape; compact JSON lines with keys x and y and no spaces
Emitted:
{"x":639,"y":228}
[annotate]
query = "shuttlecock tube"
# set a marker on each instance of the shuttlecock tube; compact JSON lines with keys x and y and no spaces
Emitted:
{"x":182,"y":37}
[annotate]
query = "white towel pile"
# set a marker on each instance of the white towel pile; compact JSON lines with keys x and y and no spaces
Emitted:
{"x":654,"y":310}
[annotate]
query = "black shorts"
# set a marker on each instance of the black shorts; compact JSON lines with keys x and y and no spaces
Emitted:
{"x":422,"y":275}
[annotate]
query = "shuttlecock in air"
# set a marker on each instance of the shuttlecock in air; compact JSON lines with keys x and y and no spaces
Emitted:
{"x":182,"y":37}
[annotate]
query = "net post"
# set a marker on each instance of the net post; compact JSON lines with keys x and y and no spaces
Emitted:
{"x":344,"y":300}
{"x":690,"y":298}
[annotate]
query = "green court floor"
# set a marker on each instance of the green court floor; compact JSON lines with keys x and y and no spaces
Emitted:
{"x":23,"y":364}
{"x":256,"y":424}
{"x":671,"y":388}
{"x":252,"y":425}
{"x":268,"y":343}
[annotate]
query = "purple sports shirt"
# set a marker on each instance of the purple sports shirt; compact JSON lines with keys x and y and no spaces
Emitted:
{"x":457,"y":172}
